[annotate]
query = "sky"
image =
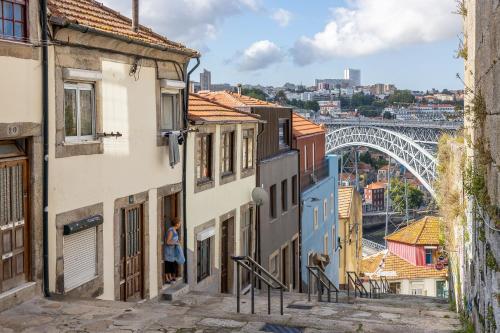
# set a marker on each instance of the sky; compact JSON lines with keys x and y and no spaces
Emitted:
{"x":409,"y":43}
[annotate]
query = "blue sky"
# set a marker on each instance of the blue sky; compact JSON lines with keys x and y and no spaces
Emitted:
{"x":410,"y":43}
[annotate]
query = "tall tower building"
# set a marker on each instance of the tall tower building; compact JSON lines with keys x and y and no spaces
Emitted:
{"x":353,"y":75}
{"x":205,"y":80}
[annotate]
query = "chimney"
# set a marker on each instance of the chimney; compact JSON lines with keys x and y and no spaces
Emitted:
{"x":238,"y":86}
{"x":135,"y":15}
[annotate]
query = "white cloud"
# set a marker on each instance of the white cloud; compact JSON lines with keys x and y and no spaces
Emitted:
{"x":282,"y":16}
{"x":189,"y":21}
{"x":260,"y":55}
{"x":369,"y":26}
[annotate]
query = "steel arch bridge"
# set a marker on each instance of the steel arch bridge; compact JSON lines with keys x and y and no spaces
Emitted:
{"x":398,"y":146}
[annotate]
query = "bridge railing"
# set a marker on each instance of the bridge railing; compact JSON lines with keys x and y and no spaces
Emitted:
{"x":372,"y":244}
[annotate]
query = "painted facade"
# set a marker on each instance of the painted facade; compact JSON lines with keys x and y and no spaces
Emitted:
{"x":114,"y":95}
{"x":220,"y":214}
{"x":350,"y":232}
{"x":21,"y":156}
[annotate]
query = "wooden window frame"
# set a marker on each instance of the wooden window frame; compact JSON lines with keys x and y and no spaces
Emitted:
{"x":176,"y":114}
{"x":248,"y":137}
{"x":25,"y":23}
{"x":284,"y":195}
{"x":78,"y":87}
{"x":227,"y":155}
{"x":204,"y":158}
{"x":284,"y":132}
{"x":273,"y":209}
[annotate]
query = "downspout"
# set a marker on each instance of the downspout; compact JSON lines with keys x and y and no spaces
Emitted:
{"x":257,"y":213}
{"x":45,"y":133}
{"x":184,"y":161}
{"x":300,"y":220}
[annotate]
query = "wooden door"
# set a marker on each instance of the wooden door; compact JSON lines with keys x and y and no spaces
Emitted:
{"x":227,"y":250}
{"x":14,"y":250}
{"x":285,"y":264}
{"x":295,"y":263}
{"x":132,"y":254}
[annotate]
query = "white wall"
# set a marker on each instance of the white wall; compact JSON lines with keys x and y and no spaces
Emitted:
{"x":130,"y":164}
{"x":20,"y":90}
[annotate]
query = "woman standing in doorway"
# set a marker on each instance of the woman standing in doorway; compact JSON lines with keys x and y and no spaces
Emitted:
{"x":173,"y":252}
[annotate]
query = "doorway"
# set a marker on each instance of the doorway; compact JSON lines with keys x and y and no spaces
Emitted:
{"x":246,"y":243}
{"x":131,"y":254}
{"x":285,"y":266}
{"x":227,"y":250}
{"x":170,"y":212}
{"x":14,"y":226}
{"x":295,"y":264}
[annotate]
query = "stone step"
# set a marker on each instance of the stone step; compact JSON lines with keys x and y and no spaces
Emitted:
{"x":174,"y":291}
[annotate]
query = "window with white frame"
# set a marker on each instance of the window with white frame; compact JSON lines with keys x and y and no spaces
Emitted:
{"x":332,"y":203}
{"x":79,"y":112}
{"x":315,"y":218}
{"x":334,"y":240}
{"x":325,"y":209}
{"x":325,"y":244}
{"x":170,"y":119}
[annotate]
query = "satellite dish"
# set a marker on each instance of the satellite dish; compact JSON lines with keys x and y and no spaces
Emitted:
{"x":259,"y":196}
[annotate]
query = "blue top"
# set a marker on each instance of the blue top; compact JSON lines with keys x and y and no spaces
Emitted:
{"x":174,"y":253}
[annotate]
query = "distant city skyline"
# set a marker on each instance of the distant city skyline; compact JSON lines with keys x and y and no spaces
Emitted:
{"x":271,"y":43}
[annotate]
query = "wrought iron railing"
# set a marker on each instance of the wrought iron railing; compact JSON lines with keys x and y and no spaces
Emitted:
{"x":257,"y":272}
{"x":386,"y":287}
{"x":310,"y":177}
{"x":357,"y":284}
{"x":322,"y":283}
{"x":372,"y":244}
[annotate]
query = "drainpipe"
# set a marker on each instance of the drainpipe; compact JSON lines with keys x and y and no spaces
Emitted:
{"x":45,"y":133}
{"x":184,"y":161}
{"x":300,"y":220}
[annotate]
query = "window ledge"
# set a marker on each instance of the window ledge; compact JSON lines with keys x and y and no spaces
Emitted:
{"x":227,"y":178}
{"x":78,"y":148}
{"x":15,"y":41}
{"x":76,"y":143}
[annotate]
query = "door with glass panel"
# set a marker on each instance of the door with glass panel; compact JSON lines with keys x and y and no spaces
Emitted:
{"x":14,"y":251}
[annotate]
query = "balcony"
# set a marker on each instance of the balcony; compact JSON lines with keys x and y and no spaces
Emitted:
{"x":310,"y":177}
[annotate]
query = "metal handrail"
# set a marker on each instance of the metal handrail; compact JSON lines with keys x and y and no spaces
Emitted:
{"x":319,"y":274}
{"x":252,"y":266}
{"x":374,"y":288}
{"x":357,"y":283}
{"x":385,"y":284}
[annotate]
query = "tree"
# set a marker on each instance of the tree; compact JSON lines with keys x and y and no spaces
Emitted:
{"x":311,"y":105}
{"x":254,"y":93}
{"x":387,"y":115}
{"x":280,"y":98}
{"x":397,"y":194}
{"x":401,"y":96}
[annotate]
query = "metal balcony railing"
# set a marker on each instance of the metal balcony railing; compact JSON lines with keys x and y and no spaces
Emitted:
{"x":257,"y":272}
{"x":310,"y":177}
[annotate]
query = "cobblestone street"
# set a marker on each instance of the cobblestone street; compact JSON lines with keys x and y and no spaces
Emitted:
{"x":203,"y":313}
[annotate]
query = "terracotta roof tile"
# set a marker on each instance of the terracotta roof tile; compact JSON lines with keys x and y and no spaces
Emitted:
{"x":235,"y":100}
{"x":345,"y":201}
{"x":422,"y":232}
{"x":204,"y":110}
{"x":376,"y":185}
{"x":92,"y":14}
{"x":393,"y":267}
{"x":302,"y":126}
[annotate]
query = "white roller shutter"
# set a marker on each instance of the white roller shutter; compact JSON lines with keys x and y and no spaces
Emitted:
{"x":79,"y":258}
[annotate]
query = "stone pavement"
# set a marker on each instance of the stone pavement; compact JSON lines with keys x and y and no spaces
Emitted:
{"x":198,"y":312}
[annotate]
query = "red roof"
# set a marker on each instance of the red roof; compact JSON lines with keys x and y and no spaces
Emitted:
{"x":302,"y":126}
{"x":203,"y":110}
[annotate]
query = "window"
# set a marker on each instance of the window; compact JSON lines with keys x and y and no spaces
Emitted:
{"x":13,"y":19}
{"x":274,"y":264}
{"x":204,"y":158}
{"x":284,"y":133}
{"x":203,"y":255}
{"x":246,"y":241}
{"x":325,"y":210}
{"x":284,"y":195}
{"x":272,"y":203}
{"x":226,"y":157}
{"x":79,"y":111}
{"x":305,"y":157}
{"x":334,"y":241}
{"x":314,"y":156}
{"x":80,"y":253}
{"x":295,"y":192}
{"x":395,"y":287}
{"x":170,"y":112}
{"x":248,"y":138}
{"x":325,"y":244}
{"x":428,"y":257}
{"x":315,"y":218}
{"x":332,"y":203}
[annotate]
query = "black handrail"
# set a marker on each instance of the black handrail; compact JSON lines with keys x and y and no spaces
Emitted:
{"x":357,"y":283}
{"x":374,"y":288}
{"x":257,"y":271}
{"x":385,"y":285}
{"x":320,"y":280}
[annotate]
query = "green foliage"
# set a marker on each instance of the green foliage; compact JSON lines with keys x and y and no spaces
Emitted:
{"x":397,"y":193}
{"x":280,"y":98}
{"x":375,"y":163}
{"x":461,"y":9}
{"x":308,"y":105}
{"x":387,"y":115}
{"x":254,"y":93}
{"x":401,"y":97}
{"x":462,"y":51}
{"x":467,"y":325}
{"x":360,"y":99}
{"x":491,"y":262}
{"x":490,"y":317}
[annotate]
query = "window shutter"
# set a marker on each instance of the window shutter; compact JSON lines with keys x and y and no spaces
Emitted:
{"x":79,"y":258}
